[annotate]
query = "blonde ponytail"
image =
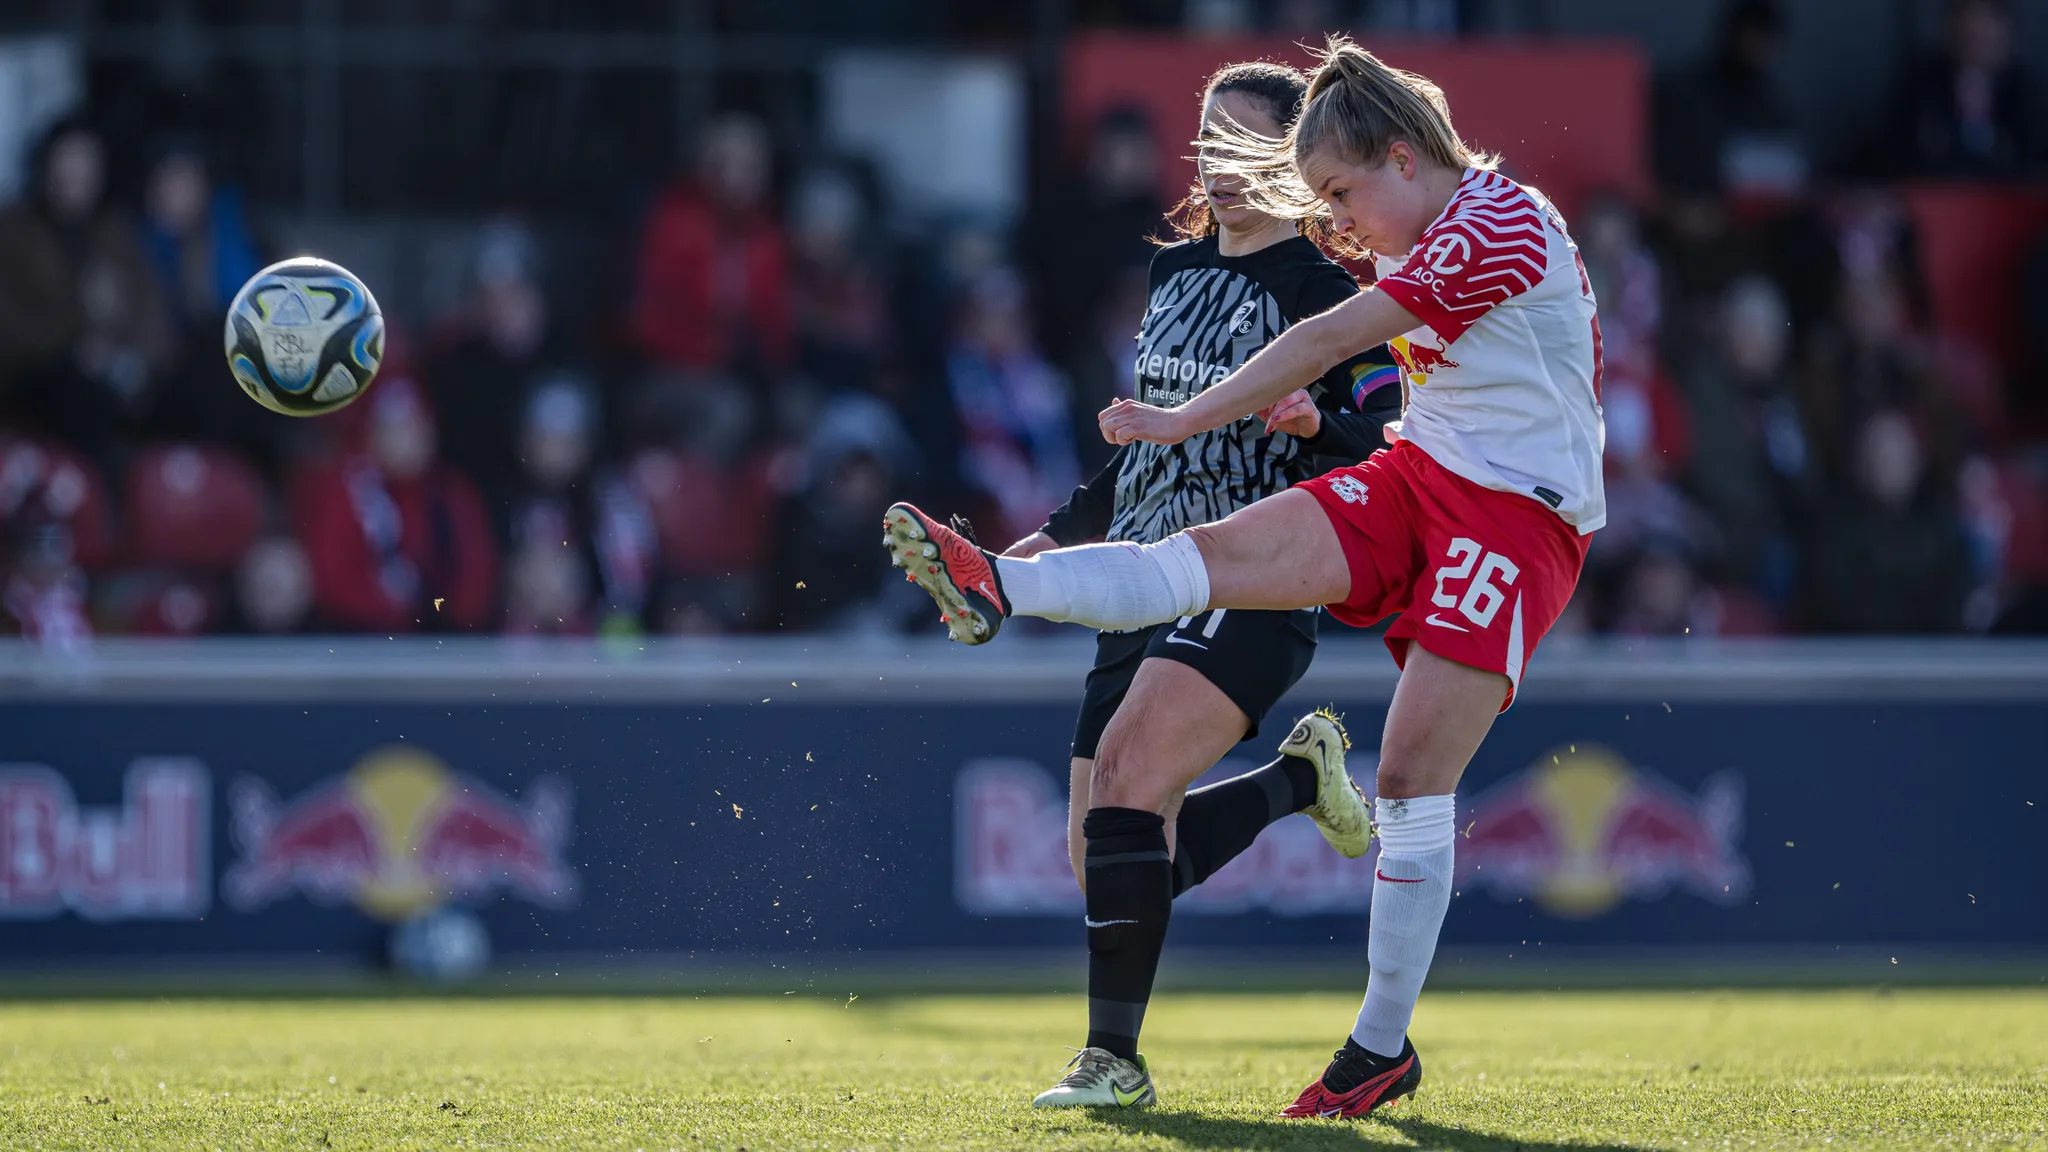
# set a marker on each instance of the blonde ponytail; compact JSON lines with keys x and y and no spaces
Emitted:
{"x":1357,"y":105}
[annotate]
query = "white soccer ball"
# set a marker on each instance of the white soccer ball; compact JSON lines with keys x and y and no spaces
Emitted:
{"x":304,"y":337}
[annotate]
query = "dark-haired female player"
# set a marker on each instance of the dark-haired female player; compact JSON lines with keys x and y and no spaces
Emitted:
{"x":1165,"y":702}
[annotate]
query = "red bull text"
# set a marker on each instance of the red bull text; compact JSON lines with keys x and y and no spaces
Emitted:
{"x":150,"y":858}
{"x":1011,"y":854}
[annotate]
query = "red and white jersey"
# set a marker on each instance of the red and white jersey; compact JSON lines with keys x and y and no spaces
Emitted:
{"x":1504,"y":374}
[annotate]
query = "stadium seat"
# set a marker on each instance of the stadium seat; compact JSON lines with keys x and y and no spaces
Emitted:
{"x":192,"y":506}
{"x":712,"y":521}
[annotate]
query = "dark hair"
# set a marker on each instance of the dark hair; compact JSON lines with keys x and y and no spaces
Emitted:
{"x":1282,"y":91}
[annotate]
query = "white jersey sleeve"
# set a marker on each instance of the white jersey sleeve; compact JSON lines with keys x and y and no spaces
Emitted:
{"x":1504,"y":372}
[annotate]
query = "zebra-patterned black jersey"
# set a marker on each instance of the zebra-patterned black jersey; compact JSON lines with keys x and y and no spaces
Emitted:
{"x":1207,"y":314}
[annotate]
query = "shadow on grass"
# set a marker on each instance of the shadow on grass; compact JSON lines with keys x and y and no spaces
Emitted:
{"x":1198,"y":1131}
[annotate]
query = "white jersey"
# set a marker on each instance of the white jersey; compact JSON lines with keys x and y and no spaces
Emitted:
{"x":1504,"y":373}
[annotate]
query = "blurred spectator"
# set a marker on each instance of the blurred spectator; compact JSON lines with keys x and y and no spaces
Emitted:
{"x":713,"y":282}
{"x":1662,"y":596}
{"x":503,"y":340}
{"x":274,"y":587}
{"x":1101,"y":367}
{"x":583,"y":552}
{"x":841,"y":300}
{"x":1870,"y":351}
{"x":399,"y":541}
{"x":44,"y":592}
{"x":1751,"y":467}
{"x":52,"y":519}
{"x":1097,"y":233}
{"x":202,"y":253}
{"x":1891,"y":554}
{"x":1965,"y":111}
{"x":1016,"y":435}
{"x":83,"y":329}
{"x":828,"y":573}
{"x":1724,"y":127}
{"x":197,"y":235}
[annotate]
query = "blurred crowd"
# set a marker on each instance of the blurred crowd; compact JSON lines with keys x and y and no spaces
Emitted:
{"x":1793,"y":444}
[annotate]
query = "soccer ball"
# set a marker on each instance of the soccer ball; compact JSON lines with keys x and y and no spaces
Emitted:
{"x":304,"y":337}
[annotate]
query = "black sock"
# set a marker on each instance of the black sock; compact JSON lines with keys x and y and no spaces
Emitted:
{"x":1129,"y":900}
{"x":1219,"y":822}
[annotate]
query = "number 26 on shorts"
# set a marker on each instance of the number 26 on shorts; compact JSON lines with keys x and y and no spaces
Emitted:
{"x":1482,"y":598}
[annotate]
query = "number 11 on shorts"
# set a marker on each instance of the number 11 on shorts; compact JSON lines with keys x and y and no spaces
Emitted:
{"x":1482,"y":598}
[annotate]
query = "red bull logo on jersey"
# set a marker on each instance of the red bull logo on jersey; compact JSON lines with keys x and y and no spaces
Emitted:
{"x":1420,"y":360}
{"x":397,"y":834}
{"x":148,"y":858}
{"x":1010,"y":854}
{"x":1581,"y":831}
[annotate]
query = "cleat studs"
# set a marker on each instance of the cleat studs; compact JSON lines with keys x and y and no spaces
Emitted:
{"x":930,"y":551}
{"x":979,"y":627}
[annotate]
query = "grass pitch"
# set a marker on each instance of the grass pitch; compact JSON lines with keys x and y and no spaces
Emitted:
{"x":1679,"y":1070}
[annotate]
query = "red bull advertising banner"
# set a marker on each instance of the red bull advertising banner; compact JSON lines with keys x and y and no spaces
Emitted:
{"x":397,"y":835}
{"x":237,"y":828}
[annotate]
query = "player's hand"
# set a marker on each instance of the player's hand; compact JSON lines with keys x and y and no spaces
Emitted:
{"x":1128,"y":420}
{"x":1296,"y":415}
{"x":1031,"y":546}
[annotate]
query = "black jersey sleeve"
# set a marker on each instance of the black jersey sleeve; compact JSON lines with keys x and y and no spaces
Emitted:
{"x":1087,"y":513}
{"x":1356,"y":402}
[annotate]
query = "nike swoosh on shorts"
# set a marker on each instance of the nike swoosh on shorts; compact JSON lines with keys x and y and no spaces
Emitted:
{"x":1180,"y":640}
{"x":1104,"y":923}
{"x":1445,"y":624}
{"x":1397,"y":879}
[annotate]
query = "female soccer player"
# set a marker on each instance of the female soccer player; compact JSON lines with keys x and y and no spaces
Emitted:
{"x":1166,"y":702}
{"x":1472,"y":529}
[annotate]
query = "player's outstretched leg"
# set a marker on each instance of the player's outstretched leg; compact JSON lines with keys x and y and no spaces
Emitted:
{"x":1217,"y":823}
{"x":1106,"y":586}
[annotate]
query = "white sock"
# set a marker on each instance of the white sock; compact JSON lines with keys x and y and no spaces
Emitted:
{"x":1109,"y":586}
{"x":1418,"y":840}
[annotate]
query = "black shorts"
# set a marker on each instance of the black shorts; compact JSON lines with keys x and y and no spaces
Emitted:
{"x":1254,"y":657}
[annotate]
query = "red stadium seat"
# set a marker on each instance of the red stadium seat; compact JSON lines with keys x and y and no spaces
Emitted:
{"x":191,"y":506}
{"x":713,"y":522}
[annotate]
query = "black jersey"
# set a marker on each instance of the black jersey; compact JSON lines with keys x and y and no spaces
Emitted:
{"x":1207,"y":314}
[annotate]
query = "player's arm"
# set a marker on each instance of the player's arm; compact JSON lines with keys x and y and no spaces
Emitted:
{"x":1084,"y":517}
{"x":1357,"y":399}
{"x":1292,"y":361}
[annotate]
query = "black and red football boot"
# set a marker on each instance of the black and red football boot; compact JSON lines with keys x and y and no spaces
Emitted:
{"x":957,"y":572}
{"x":1357,"y":1082}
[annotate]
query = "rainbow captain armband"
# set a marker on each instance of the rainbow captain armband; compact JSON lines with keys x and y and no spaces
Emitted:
{"x":1369,"y":378}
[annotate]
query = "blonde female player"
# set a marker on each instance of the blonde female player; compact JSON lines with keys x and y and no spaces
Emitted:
{"x":1471,"y":530}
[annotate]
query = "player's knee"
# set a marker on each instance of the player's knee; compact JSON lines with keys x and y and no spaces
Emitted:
{"x":1212,"y":544}
{"x":1399,"y":780}
{"x":1121,"y":781}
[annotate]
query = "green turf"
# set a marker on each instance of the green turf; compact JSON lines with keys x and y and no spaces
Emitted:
{"x":1682,"y":1070}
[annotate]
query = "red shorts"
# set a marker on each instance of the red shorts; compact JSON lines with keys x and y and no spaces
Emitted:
{"x":1478,"y":576}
